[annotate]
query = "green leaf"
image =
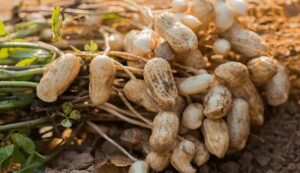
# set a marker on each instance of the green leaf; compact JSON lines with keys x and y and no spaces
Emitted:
{"x":26,"y":62}
{"x":67,"y":108}
{"x":110,"y":16}
{"x":18,"y":157}
{"x":66,"y":123}
{"x":2,"y":29}
{"x":23,"y":142}
{"x":2,"y":136}
{"x":75,"y":115}
{"x":56,"y":20}
{"x":6,"y":153}
{"x":91,"y":46}
{"x":3,"y":53}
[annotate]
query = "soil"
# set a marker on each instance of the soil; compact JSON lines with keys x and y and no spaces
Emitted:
{"x":272,"y":148}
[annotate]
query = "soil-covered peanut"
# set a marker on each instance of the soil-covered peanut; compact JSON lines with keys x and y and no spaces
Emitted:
{"x":182,"y":155}
{"x":216,"y":136}
{"x":159,"y":79}
{"x":158,"y":161}
{"x":180,"y":37}
{"x":201,"y":153}
{"x":136,"y":91}
{"x":192,"y":116}
{"x":217,"y":102}
{"x":139,"y":167}
{"x":238,"y":121}
{"x":277,"y":89}
{"x":57,"y":77}
{"x":193,"y":58}
{"x":195,"y":84}
{"x":262,"y":69}
{"x":102,"y":75}
{"x":203,"y":10}
{"x":224,"y":16}
{"x":164,"y":131}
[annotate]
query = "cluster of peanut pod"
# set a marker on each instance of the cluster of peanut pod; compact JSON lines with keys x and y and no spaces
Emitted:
{"x":207,"y":112}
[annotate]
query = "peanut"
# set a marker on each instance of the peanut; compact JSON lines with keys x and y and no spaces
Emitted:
{"x":216,"y":136}
{"x":158,"y":161}
{"x":164,"y":132}
{"x":136,"y":91}
{"x":277,"y":89}
{"x":182,"y":155}
{"x":203,"y":10}
{"x":102,"y":75}
{"x":238,"y":121}
{"x":139,"y":167}
{"x":201,"y":154}
{"x":190,"y":21}
{"x":239,"y":7}
{"x":57,"y":77}
{"x":179,"y":5}
{"x":159,"y":79}
{"x":180,"y":37}
{"x":221,"y":47}
{"x":235,"y":76}
{"x":217,"y":102}
{"x":224,"y":16}
{"x":262,"y":69}
{"x":192,"y":116}
{"x":164,"y":51}
{"x":195,"y":84}
{"x":193,"y":58}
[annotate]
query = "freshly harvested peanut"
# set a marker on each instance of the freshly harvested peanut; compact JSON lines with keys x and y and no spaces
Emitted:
{"x":247,"y":42}
{"x":217,"y":102}
{"x":192,"y":116}
{"x":180,"y":37}
{"x":102,"y":75}
{"x":145,"y":42}
{"x":57,"y":77}
{"x":159,"y":79}
{"x":195,"y":84}
{"x":277,"y":89}
{"x":216,"y":136}
{"x":179,"y":5}
{"x":164,"y":51}
{"x":235,"y":76}
{"x":221,"y":47}
{"x":136,"y":91}
{"x":193,"y":58}
{"x":203,"y":10}
{"x":238,"y":121}
{"x":239,"y":7}
{"x":135,"y":137}
{"x":262,"y":69}
{"x":115,"y":41}
{"x":179,"y":105}
{"x":128,"y":40}
{"x":182,"y":155}
{"x":201,"y":153}
{"x":224,"y":16}
{"x":139,"y":167}
{"x":190,"y":21}
{"x":158,"y":161}
{"x":164,"y":132}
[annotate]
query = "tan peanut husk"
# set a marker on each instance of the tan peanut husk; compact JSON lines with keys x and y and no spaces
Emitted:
{"x":164,"y":131}
{"x":192,"y":116}
{"x":57,"y":77}
{"x":182,"y":155}
{"x":217,"y":102}
{"x":216,"y":136}
{"x":238,"y":121}
{"x":139,"y":167}
{"x":158,"y":161}
{"x":180,"y":37}
{"x":136,"y":91}
{"x":195,"y":84}
{"x":277,"y":89}
{"x":193,"y":58}
{"x":102,"y":75}
{"x":203,"y":10}
{"x":262,"y":69}
{"x":159,"y":79}
{"x":235,"y":76}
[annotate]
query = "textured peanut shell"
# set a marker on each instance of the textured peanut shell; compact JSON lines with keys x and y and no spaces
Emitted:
{"x":190,"y":21}
{"x":224,"y":16}
{"x":203,"y":10}
{"x":57,"y":77}
{"x":180,"y":37}
{"x":277,"y":89}
{"x":164,"y":132}
{"x":136,"y":91}
{"x":164,"y":50}
{"x":139,"y":167}
{"x":159,"y":79}
{"x":201,"y":153}
{"x":193,"y":58}
{"x":102,"y":75}
{"x":216,"y":136}
{"x":192,"y":116}
{"x":217,"y":102}
{"x":238,"y":121}
{"x":145,"y":42}
{"x":262,"y":69}
{"x":158,"y":161}
{"x":247,"y":42}
{"x":128,"y":40}
{"x":195,"y":84}
{"x":182,"y":156}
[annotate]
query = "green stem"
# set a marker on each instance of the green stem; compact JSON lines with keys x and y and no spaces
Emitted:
{"x":9,"y":74}
{"x":17,"y":84}
{"x":20,"y":125}
{"x":38,"y":45}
